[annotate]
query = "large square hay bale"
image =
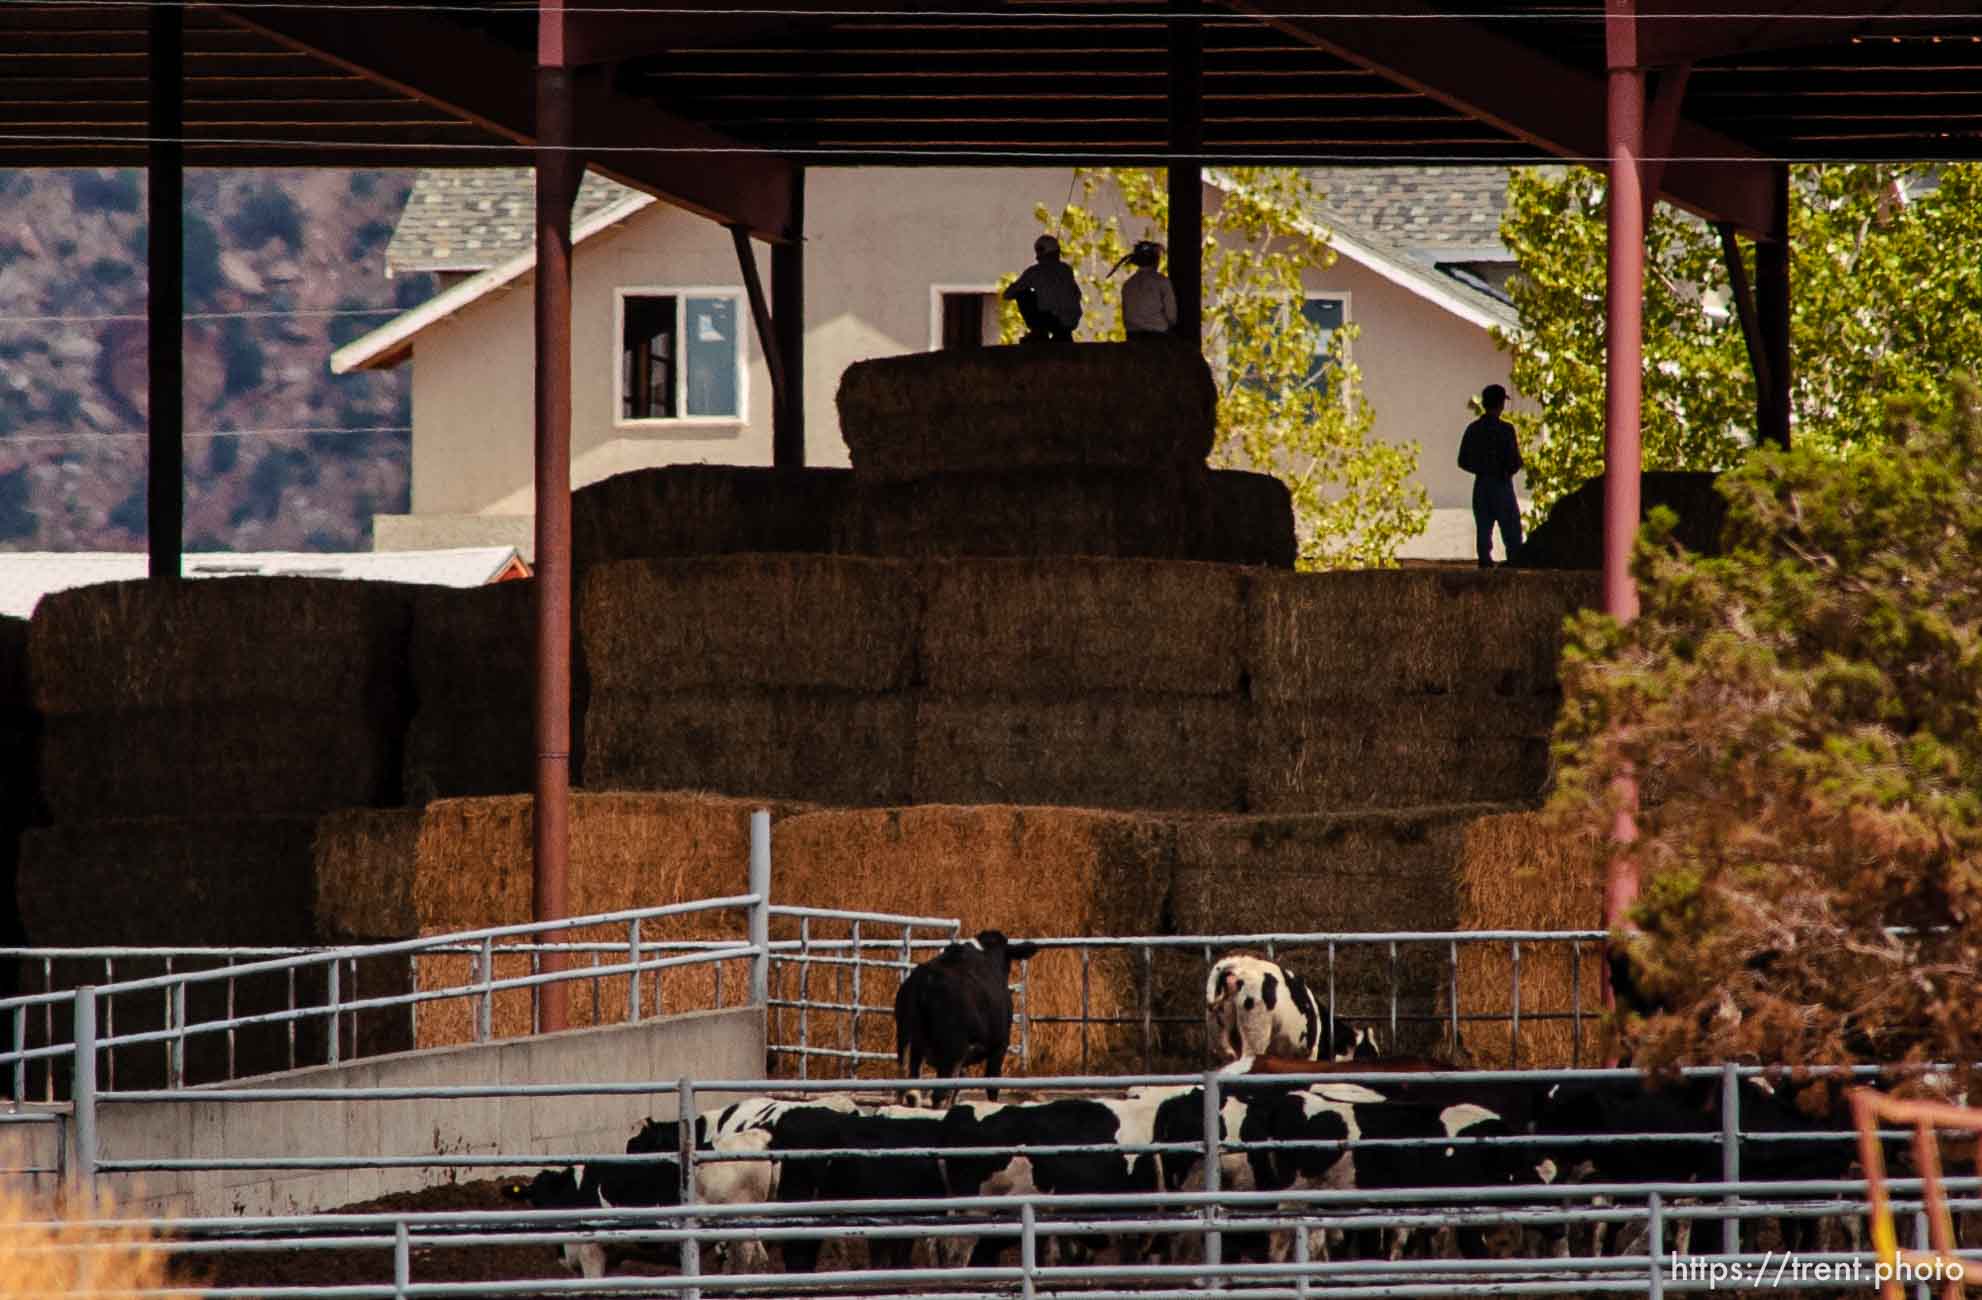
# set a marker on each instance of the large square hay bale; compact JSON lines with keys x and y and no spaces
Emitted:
{"x":251,"y":641}
{"x":1398,"y":751}
{"x":999,"y":408}
{"x":474,"y":679}
{"x":1409,"y":631}
{"x":16,"y":698}
{"x":1071,"y":625}
{"x":1097,"y":750}
{"x":689,"y":510}
{"x":235,"y":759}
{"x":1340,"y":873}
{"x":1252,"y":520}
{"x":1160,"y":513}
{"x":749,"y":621}
{"x":1517,"y":874}
{"x":1572,"y":535}
{"x":465,"y":864}
{"x":822,"y":746}
{"x":1029,"y":872}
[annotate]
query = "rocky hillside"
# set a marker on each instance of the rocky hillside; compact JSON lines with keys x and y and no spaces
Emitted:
{"x":282,"y":267}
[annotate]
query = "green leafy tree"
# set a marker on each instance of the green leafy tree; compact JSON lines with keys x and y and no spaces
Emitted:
{"x":1805,"y":716}
{"x":1882,"y":295}
{"x":1290,"y":402}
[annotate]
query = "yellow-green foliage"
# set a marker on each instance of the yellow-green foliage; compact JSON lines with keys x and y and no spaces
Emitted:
{"x":1804,"y":716}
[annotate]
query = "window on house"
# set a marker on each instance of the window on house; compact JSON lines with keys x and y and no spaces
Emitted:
{"x":970,"y":320}
{"x":679,"y":357}
{"x":1326,"y":315}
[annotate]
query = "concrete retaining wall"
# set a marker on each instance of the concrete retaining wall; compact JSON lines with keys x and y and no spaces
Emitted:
{"x":710,"y":1044}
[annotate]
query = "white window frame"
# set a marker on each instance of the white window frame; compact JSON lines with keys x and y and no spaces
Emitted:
{"x":1344,"y":297}
{"x":745,"y":329}
{"x":936,"y":292}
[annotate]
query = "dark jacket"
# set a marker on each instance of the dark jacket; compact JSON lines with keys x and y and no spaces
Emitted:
{"x":1488,"y":449}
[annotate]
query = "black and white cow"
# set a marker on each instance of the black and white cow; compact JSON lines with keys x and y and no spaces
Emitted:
{"x":882,"y":1169}
{"x":1257,"y":1007}
{"x":603,"y":1187}
{"x":955,"y":1009}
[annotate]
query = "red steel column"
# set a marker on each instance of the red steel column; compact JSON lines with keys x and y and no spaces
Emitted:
{"x":788,"y":334}
{"x":1623,"y":393}
{"x":165,"y":293}
{"x":1186,"y":186}
{"x":558,"y":173}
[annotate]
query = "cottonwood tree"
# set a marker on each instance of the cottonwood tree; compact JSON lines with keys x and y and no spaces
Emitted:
{"x":1290,"y":401}
{"x":1882,"y":306}
{"x":1805,"y":717}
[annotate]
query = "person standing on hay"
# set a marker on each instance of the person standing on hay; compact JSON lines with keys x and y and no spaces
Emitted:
{"x":1149,"y":304}
{"x":1047,"y":295}
{"x":1490,"y":454}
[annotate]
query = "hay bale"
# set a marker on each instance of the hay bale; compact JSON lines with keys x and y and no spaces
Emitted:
{"x":1027,"y":871}
{"x":1514,"y":874}
{"x":824,"y":746}
{"x":1098,"y":750}
{"x":251,"y":641}
{"x":690,"y":510}
{"x":1160,"y":513}
{"x":22,"y":805}
{"x":1076,"y":625}
{"x":1399,"y":751}
{"x":1409,"y":631}
{"x":1342,"y":873}
{"x":16,"y":699}
{"x":462,"y":864}
{"x":473,"y":664}
{"x":1002,"y":408}
{"x":1252,"y":520}
{"x":1572,"y":535}
{"x":748,"y":621}
{"x":247,"y":761}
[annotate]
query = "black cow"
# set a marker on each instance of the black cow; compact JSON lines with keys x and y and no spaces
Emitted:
{"x":955,"y":1009}
{"x":878,"y":1172}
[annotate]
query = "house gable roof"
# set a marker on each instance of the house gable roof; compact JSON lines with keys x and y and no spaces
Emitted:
{"x":471,"y":220}
{"x":513,"y":201}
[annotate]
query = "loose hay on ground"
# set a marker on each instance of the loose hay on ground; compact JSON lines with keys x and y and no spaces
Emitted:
{"x":1100,"y":750}
{"x":906,"y":417}
{"x":1071,"y":625}
{"x":749,"y":621}
{"x":696,"y":510}
{"x":1515,"y":874}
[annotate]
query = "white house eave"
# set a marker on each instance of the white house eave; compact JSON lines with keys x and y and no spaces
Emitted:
{"x":391,"y":343}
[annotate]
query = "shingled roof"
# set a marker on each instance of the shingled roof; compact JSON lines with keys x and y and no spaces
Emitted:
{"x":1428,"y":211}
{"x":469,"y":220}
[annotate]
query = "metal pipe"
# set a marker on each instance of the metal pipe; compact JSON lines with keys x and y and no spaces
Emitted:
{"x":760,"y":911}
{"x":558,"y":173}
{"x":165,"y":293}
{"x":691,"y":1248}
{"x":82,"y":1092}
{"x":1213,"y":1147}
{"x":1730,"y":1153}
{"x":1655,"y":1246}
{"x":402,"y":1261}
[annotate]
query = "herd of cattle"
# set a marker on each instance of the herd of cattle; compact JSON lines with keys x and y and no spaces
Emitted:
{"x":1394,"y":1132}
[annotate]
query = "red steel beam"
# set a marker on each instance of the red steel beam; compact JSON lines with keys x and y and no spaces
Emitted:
{"x":559,"y":170}
{"x":488,"y":83}
{"x":1526,"y":94}
{"x":1671,"y":31}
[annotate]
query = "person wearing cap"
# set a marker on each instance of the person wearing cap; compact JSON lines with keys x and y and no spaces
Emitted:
{"x":1489,"y":453}
{"x":1149,"y":304}
{"x":1047,"y":294}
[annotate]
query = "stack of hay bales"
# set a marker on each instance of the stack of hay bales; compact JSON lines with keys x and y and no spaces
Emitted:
{"x":690,"y":510}
{"x":19,"y":809}
{"x":1087,"y":449}
{"x":1515,"y":874}
{"x":1572,"y":535}
{"x":473,"y":679}
{"x":1402,"y":688}
{"x":191,"y":735}
{"x":779,"y":676}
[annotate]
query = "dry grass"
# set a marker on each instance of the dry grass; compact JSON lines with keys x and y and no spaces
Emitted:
{"x":49,"y":1250}
{"x":1515,"y":875}
{"x":1252,"y":520}
{"x":696,"y":510}
{"x":749,"y":621}
{"x":135,"y":646}
{"x":1137,"y":512}
{"x":997,"y":408}
{"x":1066,"y":626}
{"x":1100,"y":750}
